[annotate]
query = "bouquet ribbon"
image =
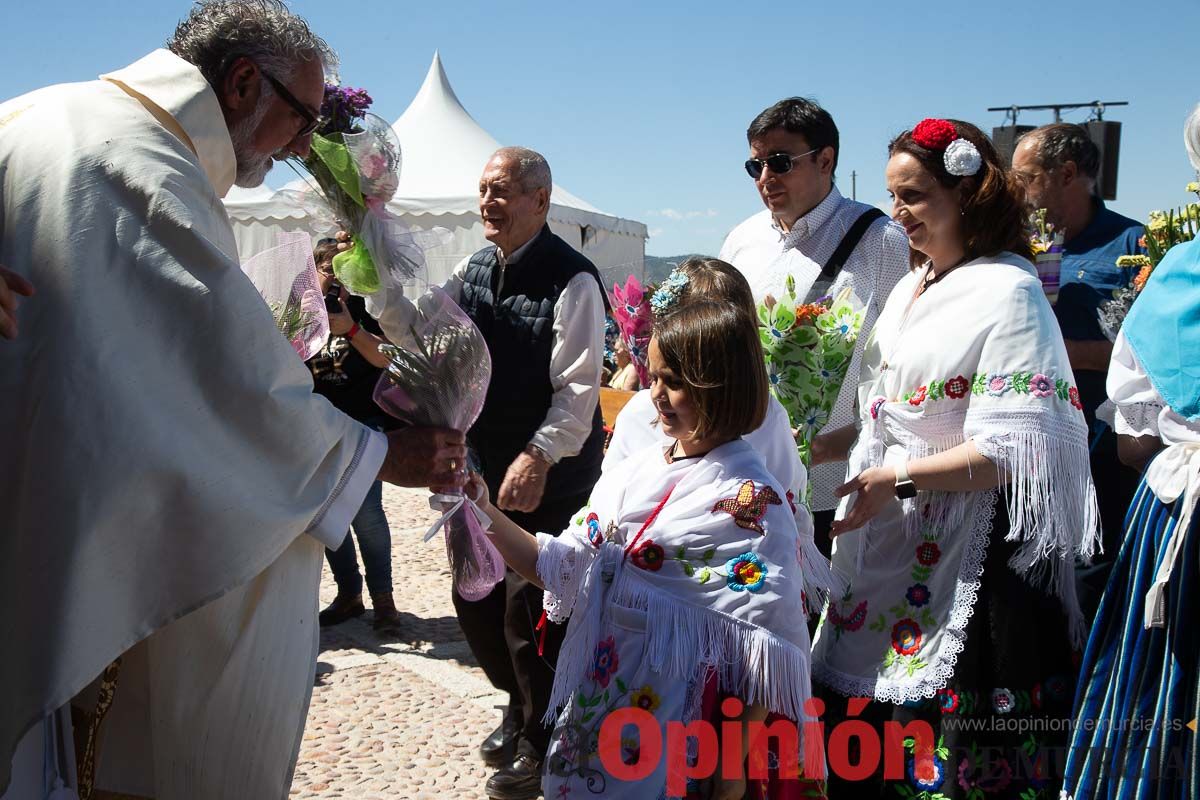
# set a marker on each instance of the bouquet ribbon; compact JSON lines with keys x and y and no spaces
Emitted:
{"x":449,"y":504}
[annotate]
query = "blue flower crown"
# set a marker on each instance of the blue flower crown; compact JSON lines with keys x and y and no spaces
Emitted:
{"x":667,"y":294}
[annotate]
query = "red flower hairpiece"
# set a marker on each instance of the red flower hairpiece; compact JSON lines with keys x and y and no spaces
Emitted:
{"x":934,"y":134}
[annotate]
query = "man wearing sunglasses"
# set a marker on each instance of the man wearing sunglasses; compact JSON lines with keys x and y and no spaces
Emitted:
{"x":167,"y":475}
{"x":825,"y":241}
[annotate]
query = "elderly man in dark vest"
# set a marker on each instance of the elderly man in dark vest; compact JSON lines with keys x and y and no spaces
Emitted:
{"x":539,"y":440}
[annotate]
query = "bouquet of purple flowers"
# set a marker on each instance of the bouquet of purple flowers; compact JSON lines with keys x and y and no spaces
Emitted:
{"x":355,"y":163}
{"x":442,"y":379}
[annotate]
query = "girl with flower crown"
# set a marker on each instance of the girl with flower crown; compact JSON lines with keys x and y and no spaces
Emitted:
{"x":637,"y":426}
{"x":969,"y":494}
{"x":682,"y":568}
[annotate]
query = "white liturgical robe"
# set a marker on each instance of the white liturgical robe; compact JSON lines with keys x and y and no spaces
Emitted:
{"x":168,"y":476}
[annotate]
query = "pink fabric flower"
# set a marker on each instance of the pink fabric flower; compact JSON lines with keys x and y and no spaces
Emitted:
{"x":1041,"y":386}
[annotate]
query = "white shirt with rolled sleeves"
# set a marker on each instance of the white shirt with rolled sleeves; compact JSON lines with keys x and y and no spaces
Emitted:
{"x":766,"y":255}
{"x":576,"y":355}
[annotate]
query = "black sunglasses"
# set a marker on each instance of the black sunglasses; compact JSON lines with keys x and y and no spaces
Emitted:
{"x":779,"y":163}
{"x":311,"y":123}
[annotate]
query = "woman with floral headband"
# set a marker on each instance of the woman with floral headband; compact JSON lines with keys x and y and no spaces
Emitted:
{"x":969,"y":496}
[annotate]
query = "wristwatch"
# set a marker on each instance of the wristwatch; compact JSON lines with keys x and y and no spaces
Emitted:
{"x":540,"y":454}
{"x":905,"y":488}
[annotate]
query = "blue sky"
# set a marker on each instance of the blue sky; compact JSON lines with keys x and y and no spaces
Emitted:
{"x":641,"y":107}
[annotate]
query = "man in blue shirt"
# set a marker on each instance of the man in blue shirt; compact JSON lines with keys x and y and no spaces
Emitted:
{"x":1058,"y":164}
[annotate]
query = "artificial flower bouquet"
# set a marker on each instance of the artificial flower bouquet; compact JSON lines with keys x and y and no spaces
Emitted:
{"x":355,"y":162}
{"x":441,"y":379}
{"x":634,"y":316}
{"x":1047,"y":246}
{"x":1164,"y":230}
{"x":808,"y":348}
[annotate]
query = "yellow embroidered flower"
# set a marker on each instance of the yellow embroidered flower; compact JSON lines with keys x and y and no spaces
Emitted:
{"x":1193,"y":187}
{"x":644,"y":698}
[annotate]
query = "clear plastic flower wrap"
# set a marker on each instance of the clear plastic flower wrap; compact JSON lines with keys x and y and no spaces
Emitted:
{"x":442,"y":379}
{"x":355,"y":164}
{"x":286,"y":277}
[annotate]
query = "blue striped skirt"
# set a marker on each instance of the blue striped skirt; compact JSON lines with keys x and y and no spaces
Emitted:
{"x":1138,"y":688}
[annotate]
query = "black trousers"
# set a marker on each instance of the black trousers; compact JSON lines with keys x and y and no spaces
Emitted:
{"x":501,"y":631}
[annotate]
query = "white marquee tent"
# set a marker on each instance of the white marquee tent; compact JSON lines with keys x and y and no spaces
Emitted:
{"x":444,"y":151}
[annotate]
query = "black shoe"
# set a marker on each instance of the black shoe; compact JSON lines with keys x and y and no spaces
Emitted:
{"x":499,"y":747}
{"x":341,"y":609}
{"x":520,"y":780}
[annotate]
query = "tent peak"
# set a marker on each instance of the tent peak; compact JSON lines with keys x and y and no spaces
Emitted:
{"x":437,"y":84}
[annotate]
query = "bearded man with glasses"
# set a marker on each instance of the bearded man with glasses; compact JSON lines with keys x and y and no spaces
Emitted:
{"x":169,"y":478}
{"x":825,"y":241}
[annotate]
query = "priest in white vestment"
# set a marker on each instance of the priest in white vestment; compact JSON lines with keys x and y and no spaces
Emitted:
{"x":169,"y":478}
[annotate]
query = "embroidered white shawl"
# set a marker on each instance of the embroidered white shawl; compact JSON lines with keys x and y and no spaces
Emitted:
{"x":978,"y":356}
{"x":698,"y":616}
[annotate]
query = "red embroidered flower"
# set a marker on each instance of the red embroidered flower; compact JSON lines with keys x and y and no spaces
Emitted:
{"x":877,"y":404}
{"x":918,"y":396}
{"x":791,"y":500}
{"x":906,"y":637}
{"x":957,"y":387}
{"x":1073,"y":394}
{"x":649,"y":556}
{"x":947,"y":700}
{"x":928,"y":553}
{"x":934,"y":134}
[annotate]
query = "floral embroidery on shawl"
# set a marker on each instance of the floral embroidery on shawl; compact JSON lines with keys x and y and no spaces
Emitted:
{"x":994,"y":384}
{"x":748,"y":508}
{"x":649,"y":556}
{"x":746,"y":573}
{"x":847,"y":623}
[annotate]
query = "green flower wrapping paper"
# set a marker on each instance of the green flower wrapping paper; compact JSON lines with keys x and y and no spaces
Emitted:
{"x":808,"y":348}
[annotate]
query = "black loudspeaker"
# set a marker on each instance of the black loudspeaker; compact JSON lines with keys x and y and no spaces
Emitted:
{"x":1005,"y":140}
{"x":1107,"y":136}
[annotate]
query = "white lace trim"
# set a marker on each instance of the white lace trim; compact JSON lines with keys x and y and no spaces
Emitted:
{"x":557,"y":569}
{"x":1137,"y":419}
{"x":954,"y":633}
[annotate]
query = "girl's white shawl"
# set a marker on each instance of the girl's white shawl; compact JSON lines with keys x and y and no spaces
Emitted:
{"x":756,"y":641}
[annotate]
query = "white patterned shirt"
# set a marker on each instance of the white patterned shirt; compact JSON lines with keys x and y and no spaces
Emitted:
{"x":766,"y":255}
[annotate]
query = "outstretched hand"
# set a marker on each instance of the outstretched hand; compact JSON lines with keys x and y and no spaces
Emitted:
{"x":876,"y":487}
{"x":11,"y":285}
{"x":425,"y":456}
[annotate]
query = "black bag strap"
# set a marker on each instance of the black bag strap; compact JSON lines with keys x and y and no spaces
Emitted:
{"x":850,"y":241}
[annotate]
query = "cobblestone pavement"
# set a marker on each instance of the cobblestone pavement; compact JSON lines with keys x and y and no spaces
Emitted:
{"x":399,"y":715}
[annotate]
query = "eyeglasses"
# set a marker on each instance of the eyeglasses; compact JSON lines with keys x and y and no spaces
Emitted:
{"x":779,"y":163}
{"x":311,"y":123}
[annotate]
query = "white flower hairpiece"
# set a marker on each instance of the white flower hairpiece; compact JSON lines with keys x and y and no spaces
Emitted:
{"x":668,"y":293}
{"x":962,"y":158}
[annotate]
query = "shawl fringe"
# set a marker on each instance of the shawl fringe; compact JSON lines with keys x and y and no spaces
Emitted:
{"x":749,"y":661}
{"x":817,"y":575}
{"x":1051,"y":500}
